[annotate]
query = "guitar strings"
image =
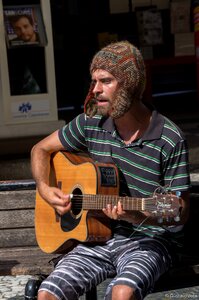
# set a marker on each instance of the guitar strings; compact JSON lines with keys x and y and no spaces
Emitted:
{"x":77,"y":200}
{"x":150,"y":205}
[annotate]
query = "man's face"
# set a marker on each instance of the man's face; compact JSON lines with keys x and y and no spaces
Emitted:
{"x":24,"y":30}
{"x":105,"y":86}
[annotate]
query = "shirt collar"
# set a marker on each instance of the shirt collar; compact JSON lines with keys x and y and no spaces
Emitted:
{"x":153,"y":132}
{"x":155,"y":128}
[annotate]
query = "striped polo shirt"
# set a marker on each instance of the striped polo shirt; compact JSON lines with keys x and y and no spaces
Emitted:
{"x":158,"y":159}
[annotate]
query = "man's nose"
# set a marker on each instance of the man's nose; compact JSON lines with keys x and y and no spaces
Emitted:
{"x":97,"y":87}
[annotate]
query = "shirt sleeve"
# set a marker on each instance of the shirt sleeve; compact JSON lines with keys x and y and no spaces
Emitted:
{"x":72,"y":135}
{"x":176,"y":167}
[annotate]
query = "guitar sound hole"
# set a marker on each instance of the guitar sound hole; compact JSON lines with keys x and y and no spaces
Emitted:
{"x":76,"y":202}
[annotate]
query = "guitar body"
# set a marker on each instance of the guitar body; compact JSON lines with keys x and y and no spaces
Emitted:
{"x":75,"y":174}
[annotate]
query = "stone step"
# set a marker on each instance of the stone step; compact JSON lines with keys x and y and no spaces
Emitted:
{"x":17,"y":185}
{"x":15,"y":169}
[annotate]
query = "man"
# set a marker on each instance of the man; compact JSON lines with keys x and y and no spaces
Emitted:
{"x":149,"y":151}
{"x":23,"y":27}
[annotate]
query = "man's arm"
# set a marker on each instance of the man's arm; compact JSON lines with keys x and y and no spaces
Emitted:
{"x":40,"y":165}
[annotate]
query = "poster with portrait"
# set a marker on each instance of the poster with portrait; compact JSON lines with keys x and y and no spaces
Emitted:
{"x":24,"y":26}
{"x":150,"y":27}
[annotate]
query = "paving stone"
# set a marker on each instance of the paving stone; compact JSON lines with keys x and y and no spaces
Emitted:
{"x":13,"y":287}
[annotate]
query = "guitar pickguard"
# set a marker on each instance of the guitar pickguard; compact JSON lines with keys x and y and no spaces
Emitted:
{"x":72,"y":218}
{"x":68,"y":222}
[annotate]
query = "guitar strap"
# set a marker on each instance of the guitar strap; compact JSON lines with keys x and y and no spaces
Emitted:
{"x":54,"y":261}
{"x":124,"y":190}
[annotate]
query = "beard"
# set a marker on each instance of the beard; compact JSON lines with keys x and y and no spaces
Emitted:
{"x":116,"y":108}
{"x":121,"y":104}
{"x":90,"y":107}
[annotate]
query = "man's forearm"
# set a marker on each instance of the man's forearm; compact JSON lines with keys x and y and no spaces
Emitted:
{"x":40,"y":165}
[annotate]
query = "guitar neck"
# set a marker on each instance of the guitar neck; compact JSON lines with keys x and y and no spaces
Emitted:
{"x":98,"y":202}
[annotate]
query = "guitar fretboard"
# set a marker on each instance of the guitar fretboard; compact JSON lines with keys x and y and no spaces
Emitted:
{"x":98,"y":202}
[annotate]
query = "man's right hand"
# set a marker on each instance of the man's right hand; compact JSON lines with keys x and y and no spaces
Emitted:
{"x":56,"y":198}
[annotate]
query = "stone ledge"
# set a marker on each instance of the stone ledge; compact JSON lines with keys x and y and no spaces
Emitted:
{"x":25,"y":260}
{"x":19,"y":138}
{"x":29,"y":129}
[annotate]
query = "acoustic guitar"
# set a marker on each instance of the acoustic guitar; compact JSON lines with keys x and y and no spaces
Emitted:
{"x":91,"y":185}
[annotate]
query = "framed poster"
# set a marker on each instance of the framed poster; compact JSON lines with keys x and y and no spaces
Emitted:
{"x":150,"y":27}
{"x":24,"y":26}
{"x":27,"y":72}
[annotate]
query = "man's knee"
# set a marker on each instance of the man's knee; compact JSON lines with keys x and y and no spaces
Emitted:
{"x":43,"y":295}
{"x":123,"y":292}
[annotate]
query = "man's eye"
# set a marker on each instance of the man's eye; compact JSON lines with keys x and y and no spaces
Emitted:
{"x":107,"y":81}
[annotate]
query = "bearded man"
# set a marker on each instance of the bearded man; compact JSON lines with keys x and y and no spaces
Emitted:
{"x":150,"y":152}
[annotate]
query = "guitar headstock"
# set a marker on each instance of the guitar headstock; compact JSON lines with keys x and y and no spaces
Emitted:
{"x":167,"y":206}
